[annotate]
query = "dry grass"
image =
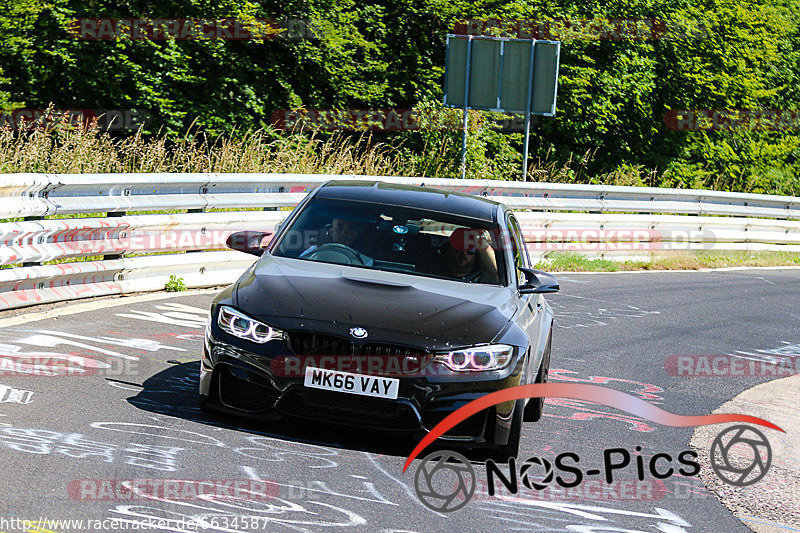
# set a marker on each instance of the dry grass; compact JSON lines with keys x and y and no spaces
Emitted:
{"x":90,"y":151}
{"x":60,"y":149}
{"x":63,"y":150}
{"x":576,"y":170}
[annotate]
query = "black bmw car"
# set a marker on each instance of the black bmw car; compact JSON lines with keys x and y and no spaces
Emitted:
{"x":383,"y":306}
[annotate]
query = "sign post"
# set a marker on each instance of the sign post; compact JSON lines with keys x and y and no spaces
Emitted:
{"x":528,"y":112}
{"x":466,"y":111}
{"x":503,"y":75}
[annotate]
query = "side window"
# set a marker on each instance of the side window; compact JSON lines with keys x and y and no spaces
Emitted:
{"x":521,"y":240}
{"x":518,"y":249}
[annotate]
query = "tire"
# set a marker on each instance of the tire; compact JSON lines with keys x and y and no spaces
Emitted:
{"x":203,"y":404}
{"x":511,"y":448}
{"x":535,"y":407}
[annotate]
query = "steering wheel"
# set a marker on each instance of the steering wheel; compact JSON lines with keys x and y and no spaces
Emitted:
{"x":336,"y":253}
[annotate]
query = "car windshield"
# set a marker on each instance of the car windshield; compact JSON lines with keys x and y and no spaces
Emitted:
{"x":396,"y":239}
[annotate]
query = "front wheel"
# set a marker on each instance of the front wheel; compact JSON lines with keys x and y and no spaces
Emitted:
{"x":535,"y":407}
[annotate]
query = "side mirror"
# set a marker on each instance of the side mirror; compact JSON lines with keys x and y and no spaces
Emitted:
{"x":247,"y":241}
{"x":537,"y":282}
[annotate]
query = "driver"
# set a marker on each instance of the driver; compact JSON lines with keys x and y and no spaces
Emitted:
{"x":344,"y":232}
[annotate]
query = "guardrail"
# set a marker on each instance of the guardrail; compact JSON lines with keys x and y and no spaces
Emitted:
{"x":595,"y":219}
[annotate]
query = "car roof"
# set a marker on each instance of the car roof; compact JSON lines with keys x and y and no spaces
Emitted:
{"x":380,"y":192}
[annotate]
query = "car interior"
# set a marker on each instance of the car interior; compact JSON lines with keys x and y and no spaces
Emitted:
{"x":398,"y":240}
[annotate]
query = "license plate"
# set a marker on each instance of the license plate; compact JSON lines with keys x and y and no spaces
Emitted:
{"x":373,"y":386}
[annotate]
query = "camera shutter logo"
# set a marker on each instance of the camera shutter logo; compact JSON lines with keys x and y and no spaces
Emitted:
{"x":526,"y":474}
{"x":740,"y":469}
{"x":445,"y":481}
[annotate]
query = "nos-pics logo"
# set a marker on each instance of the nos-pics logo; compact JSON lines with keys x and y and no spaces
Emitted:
{"x":445,"y":481}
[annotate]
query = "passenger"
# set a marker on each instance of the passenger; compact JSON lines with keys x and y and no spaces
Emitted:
{"x":463,"y":265}
{"x":470,"y":258}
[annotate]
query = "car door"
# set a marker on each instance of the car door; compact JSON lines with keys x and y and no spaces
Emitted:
{"x":529,"y":316}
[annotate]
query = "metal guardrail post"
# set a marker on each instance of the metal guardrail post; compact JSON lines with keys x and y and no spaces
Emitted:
{"x":31,"y":263}
{"x":114,"y":214}
{"x":280,"y":189}
{"x":200,"y":210}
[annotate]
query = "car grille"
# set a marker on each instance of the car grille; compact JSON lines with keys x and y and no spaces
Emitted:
{"x":307,"y":343}
{"x":241,"y":394}
{"x":349,"y":409}
{"x":389,"y":350}
{"x":392,"y":356}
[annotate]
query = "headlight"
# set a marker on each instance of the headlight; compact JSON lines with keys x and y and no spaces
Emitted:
{"x":244,"y":327}
{"x":477,"y":359}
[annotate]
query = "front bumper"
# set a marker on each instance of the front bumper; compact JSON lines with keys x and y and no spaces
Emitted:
{"x":238,"y":381}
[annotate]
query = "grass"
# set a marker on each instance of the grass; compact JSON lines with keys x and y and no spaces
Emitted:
{"x":77,"y":150}
{"x":84,"y":258}
{"x":574,"y":262}
{"x":91,"y":151}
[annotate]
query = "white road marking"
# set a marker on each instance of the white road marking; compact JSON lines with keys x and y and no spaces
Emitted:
{"x":94,"y":305}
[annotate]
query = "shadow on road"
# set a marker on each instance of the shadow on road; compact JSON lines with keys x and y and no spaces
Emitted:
{"x":173,"y":392}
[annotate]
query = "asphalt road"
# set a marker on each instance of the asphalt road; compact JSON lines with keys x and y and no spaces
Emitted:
{"x":71,"y":443}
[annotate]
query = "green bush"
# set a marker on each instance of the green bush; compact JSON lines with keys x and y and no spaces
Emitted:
{"x":175,"y":284}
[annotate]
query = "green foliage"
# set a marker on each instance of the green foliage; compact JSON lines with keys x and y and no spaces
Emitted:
{"x":747,"y":162}
{"x":175,"y":284}
{"x":16,"y":47}
{"x":436,"y":146}
{"x":613,"y":94}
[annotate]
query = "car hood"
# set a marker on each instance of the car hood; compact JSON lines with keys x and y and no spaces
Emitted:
{"x":392,"y":307}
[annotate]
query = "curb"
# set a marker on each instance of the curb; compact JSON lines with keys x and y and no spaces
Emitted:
{"x":771,"y":504}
